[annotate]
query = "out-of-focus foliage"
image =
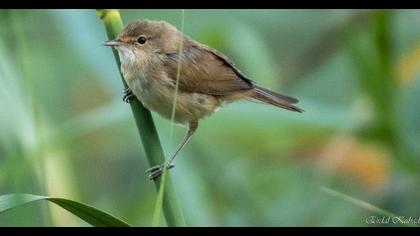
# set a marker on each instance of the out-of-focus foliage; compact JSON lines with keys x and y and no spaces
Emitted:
{"x":64,"y":131}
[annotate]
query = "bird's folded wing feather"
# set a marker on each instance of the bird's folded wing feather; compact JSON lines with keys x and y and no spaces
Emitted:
{"x":204,"y":70}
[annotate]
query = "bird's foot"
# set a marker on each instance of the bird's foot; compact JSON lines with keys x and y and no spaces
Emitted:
{"x":128,"y":95}
{"x":157,"y":170}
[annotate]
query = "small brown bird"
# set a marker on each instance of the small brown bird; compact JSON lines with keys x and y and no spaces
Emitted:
{"x":155,"y":55}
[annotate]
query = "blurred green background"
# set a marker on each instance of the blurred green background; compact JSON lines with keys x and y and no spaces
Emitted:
{"x":65,"y":132}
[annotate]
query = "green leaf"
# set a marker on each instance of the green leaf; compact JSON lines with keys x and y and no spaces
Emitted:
{"x":87,"y":213}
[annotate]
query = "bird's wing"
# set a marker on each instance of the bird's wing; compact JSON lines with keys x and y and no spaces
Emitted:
{"x":204,"y":70}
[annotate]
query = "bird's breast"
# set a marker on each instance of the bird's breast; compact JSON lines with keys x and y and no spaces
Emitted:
{"x":157,"y":94}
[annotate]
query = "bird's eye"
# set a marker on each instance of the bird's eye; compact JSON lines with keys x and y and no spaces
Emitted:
{"x":141,"y":40}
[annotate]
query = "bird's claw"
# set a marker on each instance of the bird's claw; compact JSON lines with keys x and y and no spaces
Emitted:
{"x":157,"y":170}
{"x":128,"y":95}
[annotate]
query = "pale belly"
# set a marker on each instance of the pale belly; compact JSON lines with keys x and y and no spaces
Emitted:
{"x":159,"y":97}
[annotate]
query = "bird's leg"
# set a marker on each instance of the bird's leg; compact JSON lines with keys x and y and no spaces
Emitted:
{"x":128,"y":95}
{"x":157,"y":170}
{"x":192,"y":127}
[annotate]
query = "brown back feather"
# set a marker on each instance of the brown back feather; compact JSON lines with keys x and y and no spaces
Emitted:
{"x":204,"y":70}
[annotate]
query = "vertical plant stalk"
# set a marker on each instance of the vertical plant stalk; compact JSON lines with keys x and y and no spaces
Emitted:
{"x":146,"y":128}
{"x":386,"y":98}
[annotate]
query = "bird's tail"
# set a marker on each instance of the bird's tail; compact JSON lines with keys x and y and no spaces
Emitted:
{"x":269,"y":97}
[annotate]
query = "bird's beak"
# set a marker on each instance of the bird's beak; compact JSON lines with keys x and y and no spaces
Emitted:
{"x":112,"y":42}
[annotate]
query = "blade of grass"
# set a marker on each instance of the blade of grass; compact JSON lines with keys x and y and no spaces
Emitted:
{"x":91,"y":215}
{"x":359,"y":203}
{"x":146,"y":128}
{"x":159,"y":201}
{"x":178,"y":72}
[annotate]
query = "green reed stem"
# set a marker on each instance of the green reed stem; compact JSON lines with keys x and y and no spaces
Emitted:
{"x":146,"y":128}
